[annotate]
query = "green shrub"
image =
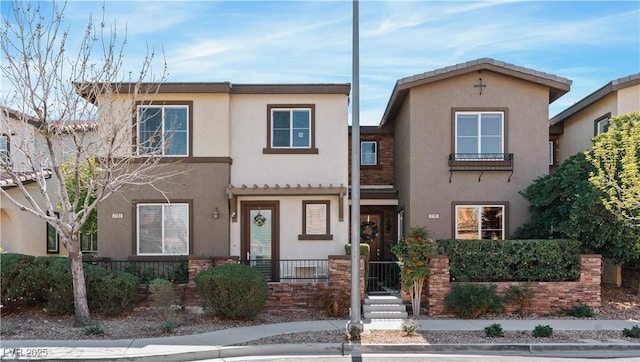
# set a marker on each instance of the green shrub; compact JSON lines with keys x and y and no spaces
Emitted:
{"x":513,"y":260}
{"x":95,"y":329}
{"x":633,"y":332}
{"x":21,"y":287}
{"x":110,"y":292}
{"x":179,"y":272}
{"x":59,"y":292}
{"x":234,"y":291}
{"x":522,"y":295}
{"x":162,"y":296}
{"x":410,"y":327}
{"x":541,"y":331}
{"x":472,"y":300}
{"x":493,"y":330}
{"x":581,"y":311}
{"x":168,"y":325}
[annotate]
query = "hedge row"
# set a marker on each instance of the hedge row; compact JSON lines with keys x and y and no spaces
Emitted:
{"x":513,"y":260}
{"x":46,"y":280}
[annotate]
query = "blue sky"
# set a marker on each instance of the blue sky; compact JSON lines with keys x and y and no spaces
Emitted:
{"x":589,"y":42}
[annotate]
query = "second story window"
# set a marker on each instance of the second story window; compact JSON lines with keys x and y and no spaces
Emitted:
{"x":291,"y":129}
{"x":163,"y":130}
{"x":479,"y":135}
{"x":5,"y":157}
{"x":602,"y":124}
{"x":368,"y":153}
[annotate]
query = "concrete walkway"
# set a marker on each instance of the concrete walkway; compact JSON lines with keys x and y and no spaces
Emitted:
{"x":218,"y":344}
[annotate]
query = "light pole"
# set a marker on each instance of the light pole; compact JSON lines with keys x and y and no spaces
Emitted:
{"x":355,"y":179}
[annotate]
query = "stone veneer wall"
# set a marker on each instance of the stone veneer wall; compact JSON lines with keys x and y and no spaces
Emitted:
{"x":549,"y":297}
{"x":288,"y":295}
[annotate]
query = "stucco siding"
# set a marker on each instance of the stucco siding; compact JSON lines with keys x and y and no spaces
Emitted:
{"x":431,"y":139}
{"x":402,"y":164}
{"x":201,"y":184}
{"x":21,"y":232}
{"x":629,"y":100}
{"x":579,"y":128}
{"x":290,"y":210}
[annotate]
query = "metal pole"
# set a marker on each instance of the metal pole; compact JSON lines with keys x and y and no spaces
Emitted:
{"x":355,"y":179}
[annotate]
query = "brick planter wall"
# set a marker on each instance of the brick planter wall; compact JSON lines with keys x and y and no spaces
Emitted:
{"x":549,"y":297}
{"x":281,"y":295}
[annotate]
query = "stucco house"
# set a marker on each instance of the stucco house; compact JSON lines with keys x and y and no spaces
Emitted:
{"x":21,"y":138}
{"x":572,"y":131}
{"x":467,"y":139}
{"x":260,"y":173}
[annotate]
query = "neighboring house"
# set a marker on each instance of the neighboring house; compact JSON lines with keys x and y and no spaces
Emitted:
{"x":378,"y":194}
{"x":20,"y":231}
{"x":572,"y":130}
{"x":468,"y":139}
{"x":261,"y":174}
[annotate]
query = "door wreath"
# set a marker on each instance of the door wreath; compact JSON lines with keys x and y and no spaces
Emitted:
{"x":368,"y":231}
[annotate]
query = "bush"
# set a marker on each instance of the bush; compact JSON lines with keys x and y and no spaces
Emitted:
{"x":234,"y":291}
{"x":336,"y":302}
{"x":21,"y":286}
{"x":522,"y":295}
{"x":48,"y":281}
{"x":59,"y":292}
{"x":470,"y":301}
{"x":633,"y":332}
{"x":410,"y":327}
{"x":513,"y":260}
{"x":541,"y":331}
{"x":162,"y":296}
{"x":95,"y":329}
{"x":493,"y":330}
{"x":110,"y":292}
{"x":581,"y":311}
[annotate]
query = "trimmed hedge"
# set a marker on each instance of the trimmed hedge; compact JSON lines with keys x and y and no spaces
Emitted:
{"x":232,"y":291}
{"x":553,"y":260}
{"x":47,"y":280}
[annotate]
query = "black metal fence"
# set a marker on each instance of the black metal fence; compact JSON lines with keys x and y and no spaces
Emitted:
{"x":292,"y":270}
{"x":176,"y":271}
{"x":383,"y":277}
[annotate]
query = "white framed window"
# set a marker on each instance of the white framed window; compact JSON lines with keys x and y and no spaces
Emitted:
{"x":550,"y":153}
{"x":602,"y":125}
{"x":479,"y":135}
{"x":480,"y":222}
{"x":316,"y":223}
{"x":163,"y":130}
{"x":89,"y":243}
{"x":368,"y":153}
{"x":400,"y":225}
{"x":5,"y":157}
{"x":162,"y":229}
{"x":53,"y":239}
{"x":291,"y":128}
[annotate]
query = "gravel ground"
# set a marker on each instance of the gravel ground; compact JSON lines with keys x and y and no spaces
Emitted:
{"x":617,"y":303}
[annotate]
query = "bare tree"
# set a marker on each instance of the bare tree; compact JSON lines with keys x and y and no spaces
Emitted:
{"x":56,"y":93}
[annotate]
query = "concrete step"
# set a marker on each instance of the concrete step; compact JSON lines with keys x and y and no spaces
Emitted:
{"x":384,"y":307}
{"x":382,"y":299}
{"x":373,"y":315}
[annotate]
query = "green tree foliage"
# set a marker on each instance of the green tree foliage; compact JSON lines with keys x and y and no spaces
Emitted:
{"x":567,"y":205}
{"x":616,"y":158}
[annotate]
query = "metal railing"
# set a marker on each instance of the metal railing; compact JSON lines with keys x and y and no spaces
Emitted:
{"x":383,"y":278}
{"x":176,"y":271}
{"x":292,"y":270}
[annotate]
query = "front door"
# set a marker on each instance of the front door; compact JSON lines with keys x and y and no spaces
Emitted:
{"x":371,"y":230}
{"x":260,"y":247}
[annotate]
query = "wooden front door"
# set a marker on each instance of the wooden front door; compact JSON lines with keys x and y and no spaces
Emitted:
{"x":371,"y":231}
{"x":260,"y":230}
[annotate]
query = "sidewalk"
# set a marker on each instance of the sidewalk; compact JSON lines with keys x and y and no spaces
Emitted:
{"x":218,"y":344}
